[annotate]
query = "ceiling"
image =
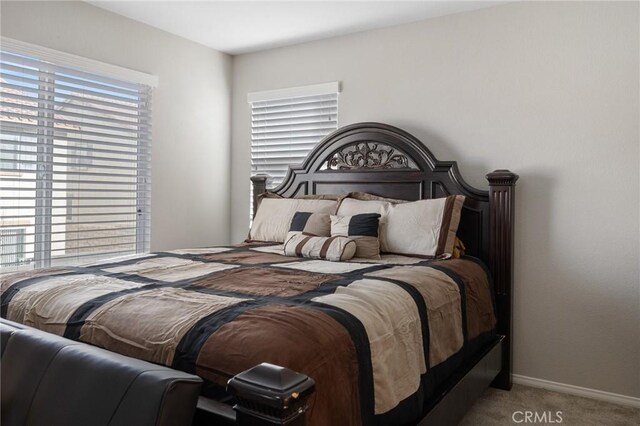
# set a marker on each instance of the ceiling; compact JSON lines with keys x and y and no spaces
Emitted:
{"x":237,"y":27}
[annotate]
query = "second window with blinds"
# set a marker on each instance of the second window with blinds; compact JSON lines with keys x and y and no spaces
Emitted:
{"x":287,"y":124}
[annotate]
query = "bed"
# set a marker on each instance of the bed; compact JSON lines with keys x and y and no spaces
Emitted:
{"x":397,"y":340}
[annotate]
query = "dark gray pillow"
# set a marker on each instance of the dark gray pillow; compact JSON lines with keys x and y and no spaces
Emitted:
{"x":315,"y":224}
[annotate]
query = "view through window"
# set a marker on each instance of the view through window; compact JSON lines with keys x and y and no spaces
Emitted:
{"x":74,"y":164}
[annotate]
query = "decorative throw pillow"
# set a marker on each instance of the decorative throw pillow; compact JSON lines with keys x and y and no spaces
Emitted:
{"x":458,"y":249}
{"x":327,"y":248}
{"x":363,"y":228}
{"x":315,"y":224}
{"x":273,"y":218}
{"x":422,"y":228}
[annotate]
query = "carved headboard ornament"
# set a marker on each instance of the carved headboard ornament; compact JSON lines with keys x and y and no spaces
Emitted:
{"x":368,"y":155}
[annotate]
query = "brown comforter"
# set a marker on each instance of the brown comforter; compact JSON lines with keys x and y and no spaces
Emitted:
{"x":367,"y":333}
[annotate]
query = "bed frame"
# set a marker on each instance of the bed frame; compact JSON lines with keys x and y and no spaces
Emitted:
{"x":387,"y":161}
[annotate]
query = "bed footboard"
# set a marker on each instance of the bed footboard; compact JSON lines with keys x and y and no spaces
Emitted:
{"x":265,"y":395}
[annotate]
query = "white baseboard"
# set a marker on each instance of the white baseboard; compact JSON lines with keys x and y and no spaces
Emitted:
{"x":577,"y":390}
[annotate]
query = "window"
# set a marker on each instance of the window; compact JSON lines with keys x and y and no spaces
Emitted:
{"x":12,"y":240}
{"x":74,"y":161}
{"x":287,"y":124}
{"x":8,"y":161}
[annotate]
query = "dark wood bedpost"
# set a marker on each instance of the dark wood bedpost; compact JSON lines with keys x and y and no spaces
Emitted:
{"x":265,"y":395}
{"x":501,"y":212}
{"x":270,"y":395}
{"x":259,"y":184}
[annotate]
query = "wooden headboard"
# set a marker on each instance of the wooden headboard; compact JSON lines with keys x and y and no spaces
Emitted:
{"x":389,"y":162}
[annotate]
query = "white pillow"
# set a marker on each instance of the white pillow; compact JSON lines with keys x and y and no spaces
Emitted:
{"x":423,"y":228}
{"x":273,"y":218}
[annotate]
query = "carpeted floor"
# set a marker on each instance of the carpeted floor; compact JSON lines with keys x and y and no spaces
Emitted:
{"x":497,"y":407}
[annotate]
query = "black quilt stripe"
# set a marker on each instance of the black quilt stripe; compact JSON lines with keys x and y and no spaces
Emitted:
{"x":363,"y":351}
{"x":191,"y":343}
{"x":422,"y":311}
{"x":76,"y":321}
{"x":463,"y":296}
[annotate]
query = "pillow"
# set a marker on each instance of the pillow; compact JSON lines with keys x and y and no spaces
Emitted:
{"x":458,"y":249}
{"x":365,"y":196}
{"x":315,"y":224}
{"x":363,"y":228}
{"x":268,"y":194}
{"x":363,"y":202}
{"x":327,"y":248}
{"x":273,"y":218}
{"x":422,"y":228}
{"x":350,"y":207}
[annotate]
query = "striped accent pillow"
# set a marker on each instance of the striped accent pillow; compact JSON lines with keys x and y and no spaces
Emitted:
{"x":363,"y":229}
{"x":334,"y":249}
{"x":316,"y":224}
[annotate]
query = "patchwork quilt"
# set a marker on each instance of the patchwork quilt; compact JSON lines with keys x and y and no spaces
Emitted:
{"x":369,"y":332}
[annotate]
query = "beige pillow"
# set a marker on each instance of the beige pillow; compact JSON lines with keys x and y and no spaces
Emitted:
{"x":273,"y":218}
{"x":350,"y":207}
{"x":422,"y":228}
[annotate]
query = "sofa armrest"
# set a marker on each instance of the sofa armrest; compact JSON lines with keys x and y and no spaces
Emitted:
{"x":47,"y":379}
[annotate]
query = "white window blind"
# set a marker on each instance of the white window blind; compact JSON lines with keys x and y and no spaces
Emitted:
{"x":75,"y":173}
{"x":285,"y":129}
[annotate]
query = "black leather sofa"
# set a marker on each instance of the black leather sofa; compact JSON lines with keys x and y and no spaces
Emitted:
{"x":49,"y":380}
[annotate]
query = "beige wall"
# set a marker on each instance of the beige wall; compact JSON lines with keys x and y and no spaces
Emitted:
{"x":549,"y":90}
{"x":191,"y":109}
